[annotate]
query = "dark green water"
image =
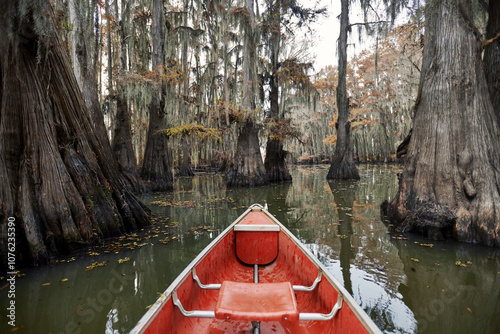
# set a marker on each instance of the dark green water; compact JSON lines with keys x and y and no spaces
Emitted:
{"x":405,"y":286}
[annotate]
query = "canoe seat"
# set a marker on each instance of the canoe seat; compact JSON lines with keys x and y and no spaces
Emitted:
{"x":257,"y":301}
{"x":262,"y":302}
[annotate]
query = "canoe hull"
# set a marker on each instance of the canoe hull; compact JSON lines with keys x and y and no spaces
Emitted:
{"x":218,"y":263}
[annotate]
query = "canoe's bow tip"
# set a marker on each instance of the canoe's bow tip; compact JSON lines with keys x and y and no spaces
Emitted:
{"x":256,"y":207}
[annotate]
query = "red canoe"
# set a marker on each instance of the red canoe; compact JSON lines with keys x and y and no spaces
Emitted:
{"x":255,"y":277}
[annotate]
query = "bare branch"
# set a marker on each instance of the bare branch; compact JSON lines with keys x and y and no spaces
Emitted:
{"x":491,"y":40}
{"x":366,"y":23}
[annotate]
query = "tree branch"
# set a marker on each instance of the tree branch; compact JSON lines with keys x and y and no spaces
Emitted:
{"x":491,"y":40}
{"x":366,"y":23}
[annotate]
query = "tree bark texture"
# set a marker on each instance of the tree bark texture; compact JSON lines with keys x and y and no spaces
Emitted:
{"x":343,"y":166}
{"x":275,"y":163}
{"x":157,"y":163}
{"x":451,"y":180}
{"x":247,"y":168}
{"x":185,"y":165}
{"x":123,"y":149}
{"x":57,"y":180}
{"x":84,"y":67}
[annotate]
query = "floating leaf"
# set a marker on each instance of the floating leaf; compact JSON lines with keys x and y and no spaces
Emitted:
{"x":415,"y":260}
{"x":468,"y":309}
{"x":95,"y":265}
{"x":463,"y":264}
{"x":63,"y":280}
{"x":124,"y":260}
{"x":46,"y":284}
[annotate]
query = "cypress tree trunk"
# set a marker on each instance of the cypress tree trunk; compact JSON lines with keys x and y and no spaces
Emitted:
{"x":122,"y":136}
{"x":275,"y":163}
{"x":57,"y":180}
{"x":122,"y":146}
{"x":84,"y":67}
{"x":343,"y":166}
{"x":451,"y":181}
{"x":157,"y":163}
{"x":247,"y":168}
{"x":185,"y":167}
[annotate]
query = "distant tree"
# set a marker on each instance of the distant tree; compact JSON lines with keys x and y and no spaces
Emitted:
{"x":186,"y":131}
{"x":122,"y":143}
{"x":157,"y":162}
{"x":383,"y":82}
{"x":247,"y":167}
{"x":342,"y":166}
{"x":281,"y":17}
{"x":450,"y":184}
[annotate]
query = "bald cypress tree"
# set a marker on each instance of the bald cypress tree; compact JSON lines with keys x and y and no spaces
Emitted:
{"x":343,"y":166}
{"x":157,"y":163}
{"x":247,"y":168}
{"x":59,"y":181}
{"x":451,"y":181}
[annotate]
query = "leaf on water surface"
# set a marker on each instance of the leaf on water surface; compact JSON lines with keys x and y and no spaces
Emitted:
{"x":463,"y":264}
{"x":124,"y":260}
{"x":164,"y":241}
{"x":415,"y":260}
{"x":95,"y":265}
{"x":45,"y":284}
{"x":63,"y":280}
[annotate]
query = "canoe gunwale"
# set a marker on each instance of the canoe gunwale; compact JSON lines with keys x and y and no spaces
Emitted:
{"x":344,"y":295}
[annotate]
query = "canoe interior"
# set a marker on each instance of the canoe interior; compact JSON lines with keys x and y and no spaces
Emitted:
{"x":220,"y":264}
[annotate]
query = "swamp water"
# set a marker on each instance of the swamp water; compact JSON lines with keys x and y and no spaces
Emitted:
{"x":405,"y":285}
